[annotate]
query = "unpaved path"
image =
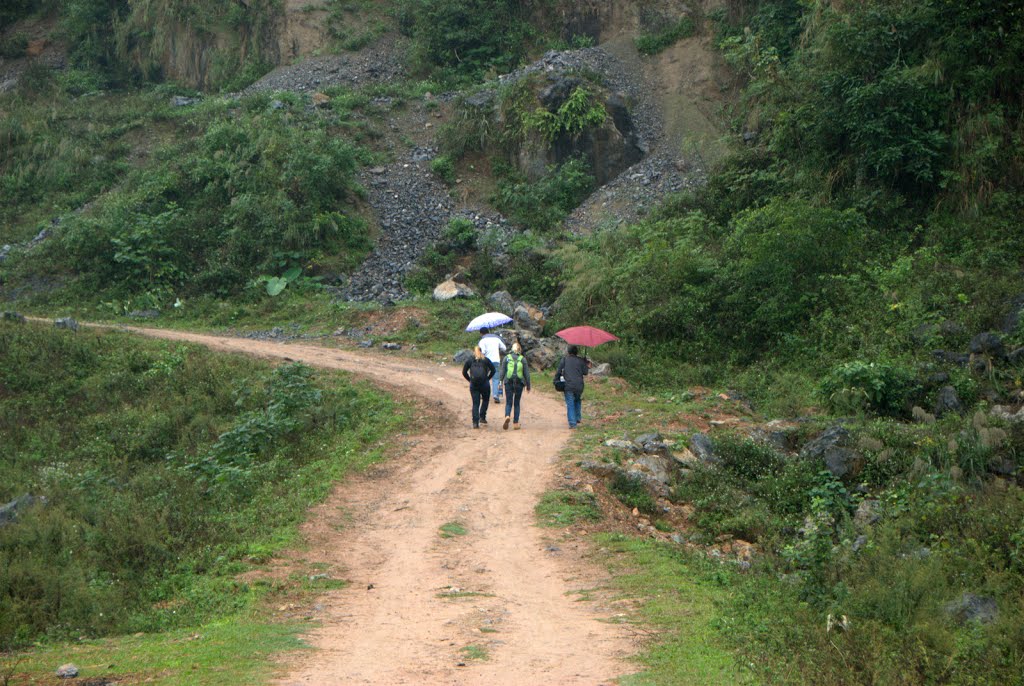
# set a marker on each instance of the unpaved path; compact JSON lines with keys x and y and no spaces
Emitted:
{"x":416,"y":600}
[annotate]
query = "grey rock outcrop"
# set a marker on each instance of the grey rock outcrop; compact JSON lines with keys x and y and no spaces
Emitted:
{"x":973,"y":608}
{"x":947,"y":401}
{"x":834,"y":448}
{"x":703,"y":448}
{"x":501,"y":301}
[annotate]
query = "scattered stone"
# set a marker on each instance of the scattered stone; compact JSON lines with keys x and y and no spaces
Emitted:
{"x":320,"y":100}
{"x":973,"y":608}
{"x":462,"y":357}
{"x":367,"y":343}
{"x":182,"y":101}
{"x":451,"y":289}
{"x":948,"y":401}
{"x":946,"y":357}
{"x":601,"y":370}
{"x":66,"y":323}
{"x":4,"y":252}
{"x":67,"y":671}
{"x":276,"y":105}
{"x":1016,"y":357}
{"x":144,"y":314}
{"x":391,"y":346}
{"x":859,"y":543}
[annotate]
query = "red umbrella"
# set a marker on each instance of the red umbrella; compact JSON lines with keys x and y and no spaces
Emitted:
{"x":588,"y":336}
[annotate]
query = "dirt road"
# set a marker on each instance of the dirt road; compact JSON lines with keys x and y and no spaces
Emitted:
{"x":497,"y":606}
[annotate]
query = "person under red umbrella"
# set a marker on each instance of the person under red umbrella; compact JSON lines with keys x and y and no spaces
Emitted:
{"x":573,"y":368}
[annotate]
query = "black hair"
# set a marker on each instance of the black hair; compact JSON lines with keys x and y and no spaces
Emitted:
{"x":484,"y":330}
{"x":573,"y":350}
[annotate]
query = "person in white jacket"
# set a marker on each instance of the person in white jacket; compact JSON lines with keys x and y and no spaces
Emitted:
{"x":492,"y":347}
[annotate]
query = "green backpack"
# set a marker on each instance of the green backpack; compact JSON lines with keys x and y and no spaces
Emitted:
{"x":514,"y":367}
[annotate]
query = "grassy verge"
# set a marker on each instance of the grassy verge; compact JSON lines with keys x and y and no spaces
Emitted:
{"x":233,"y":650}
{"x":679,"y":598}
{"x":169,"y":472}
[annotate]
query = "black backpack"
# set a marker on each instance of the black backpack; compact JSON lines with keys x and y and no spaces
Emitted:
{"x":478,"y":370}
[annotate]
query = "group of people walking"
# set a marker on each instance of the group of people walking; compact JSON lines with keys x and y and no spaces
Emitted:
{"x":491,"y":376}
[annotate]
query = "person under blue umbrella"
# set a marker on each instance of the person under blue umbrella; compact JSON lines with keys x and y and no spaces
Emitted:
{"x":492,"y":347}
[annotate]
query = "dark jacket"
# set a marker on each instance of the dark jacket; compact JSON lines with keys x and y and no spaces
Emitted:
{"x":526,"y":370}
{"x":573,"y":368}
{"x":488,"y":365}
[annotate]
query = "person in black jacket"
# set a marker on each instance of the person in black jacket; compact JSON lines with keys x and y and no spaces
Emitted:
{"x":573,"y":368}
{"x":478,"y":372}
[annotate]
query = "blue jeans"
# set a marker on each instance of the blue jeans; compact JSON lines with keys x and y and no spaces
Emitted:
{"x":573,"y":408}
{"x":513,"y":394}
{"x":496,"y":384}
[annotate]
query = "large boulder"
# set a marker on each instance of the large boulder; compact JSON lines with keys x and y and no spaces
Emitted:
{"x":451,"y":289}
{"x":703,"y":448}
{"x":610,"y":147}
{"x":501,"y":301}
{"x":834,"y":448}
{"x":528,"y":318}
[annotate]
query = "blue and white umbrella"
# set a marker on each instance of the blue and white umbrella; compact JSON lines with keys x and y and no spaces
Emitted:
{"x":488,"y":321}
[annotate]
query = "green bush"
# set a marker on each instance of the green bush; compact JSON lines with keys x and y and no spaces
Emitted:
{"x":225,"y":208}
{"x":444,"y":168}
{"x":465,"y":38}
{"x":541,"y":205}
{"x":883,"y":389}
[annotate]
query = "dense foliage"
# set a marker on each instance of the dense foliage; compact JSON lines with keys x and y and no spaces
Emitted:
{"x":164,"y":468}
{"x":466,"y":38}
{"x":881,"y":194}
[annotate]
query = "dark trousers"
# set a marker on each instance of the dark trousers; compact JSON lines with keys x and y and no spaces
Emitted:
{"x":481,"y":399}
{"x":513,"y":394}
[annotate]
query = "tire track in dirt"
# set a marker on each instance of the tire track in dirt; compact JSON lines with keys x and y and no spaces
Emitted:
{"x":417,"y":600}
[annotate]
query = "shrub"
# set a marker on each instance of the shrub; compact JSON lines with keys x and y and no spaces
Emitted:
{"x":464,"y":38}
{"x":880,"y":388}
{"x":444,"y":168}
{"x":541,"y":205}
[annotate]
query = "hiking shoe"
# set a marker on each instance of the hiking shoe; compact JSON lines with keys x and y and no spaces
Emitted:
{"x":516,"y":426}
{"x":483,"y":421}
{"x":505,"y":425}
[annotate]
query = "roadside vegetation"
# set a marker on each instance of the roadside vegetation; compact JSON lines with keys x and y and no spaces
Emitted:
{"x":167,"y":471}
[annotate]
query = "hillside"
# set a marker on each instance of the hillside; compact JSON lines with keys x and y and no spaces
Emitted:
{"x":810,"y":211}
